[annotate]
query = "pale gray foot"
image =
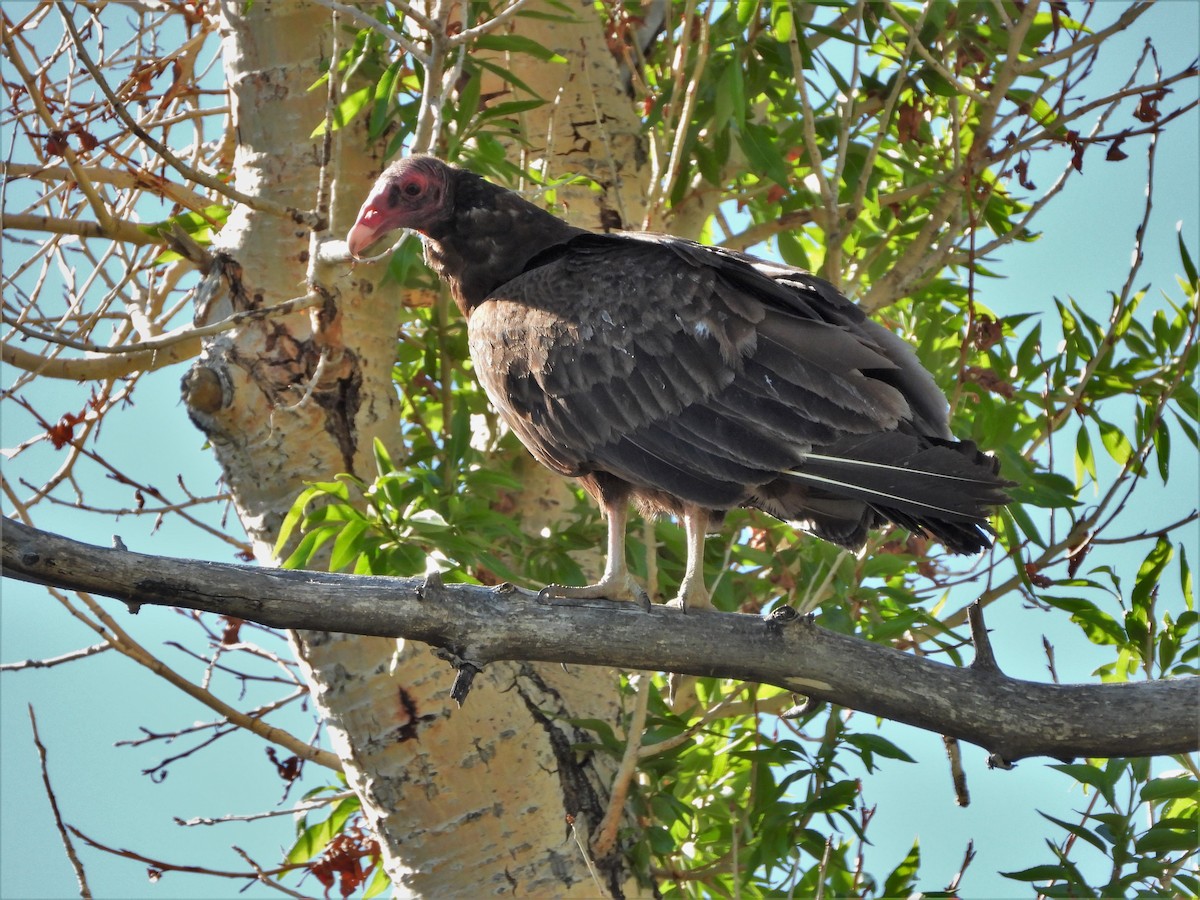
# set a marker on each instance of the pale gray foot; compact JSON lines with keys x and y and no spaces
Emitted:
{"x":616,"y":587}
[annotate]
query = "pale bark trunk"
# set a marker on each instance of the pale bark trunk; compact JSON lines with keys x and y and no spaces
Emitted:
{"x":463,"y":802}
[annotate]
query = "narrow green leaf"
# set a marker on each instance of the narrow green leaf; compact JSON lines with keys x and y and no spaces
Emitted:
{"x":903,"y":878}
{"x":1150,"y":572}
{"x":1185,"y":258}
{"x":1085,"y":461}
{"x":1038,"y":873}
{"x":348,"y":545}
{"x":878,"y":745}
{"x":1162,"y":450}
{"x":351,"y":105}
{"x":1090,"y":775}
{"x":1185,"y":579}
{"x":515,"y":43}
{"x":1166,"y":840}
{"x":763,"y":152}
{"x":383,"y":460}
{"x":1079,"y":831}
{"x":380,"y":882}
{"x":1164,"y":788}
{"x":1115,"y":442}
{"x":382,"y":99}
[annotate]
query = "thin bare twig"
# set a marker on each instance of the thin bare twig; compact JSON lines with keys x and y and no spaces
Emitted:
{"x":52,"y":661}
{"x":80,"y":875}
{"x":299,"y":216}
{"x":606,"y":832}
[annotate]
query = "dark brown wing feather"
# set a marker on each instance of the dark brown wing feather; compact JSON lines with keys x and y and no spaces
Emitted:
{"x":719,"y":380}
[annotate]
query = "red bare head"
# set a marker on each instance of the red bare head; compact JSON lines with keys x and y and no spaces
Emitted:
{"x":411,"y":193}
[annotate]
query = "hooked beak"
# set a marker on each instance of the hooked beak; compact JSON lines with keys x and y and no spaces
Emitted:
{"x":368,"y":228}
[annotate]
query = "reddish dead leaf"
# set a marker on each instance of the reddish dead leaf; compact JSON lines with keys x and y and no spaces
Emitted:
{"x":485,"y":576}
{"x":775,"y":193}
{"x":989,"y":381}
{"x":1022,"y":170}
{"x":988,"y":332}
{"x":1077,"y":553}
{"x":343,"y":859}
{"x":232,"y":633}
{"x":1147,"y":108}
{"x":1115,"y":153}
{"x":288,"y":769}
{"x":56,"y":143}
{"x":87,"y":140}
{"x":908,"y":123}
{"x":1036,"y":579}
{"x":63,"y":433}
{"x":760,"y":539}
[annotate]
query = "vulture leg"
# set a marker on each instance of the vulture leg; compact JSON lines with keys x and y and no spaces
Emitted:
{"x":693,"y":594}
{"x":616,"y":583}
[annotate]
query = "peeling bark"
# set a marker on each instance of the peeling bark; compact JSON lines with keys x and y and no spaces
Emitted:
{"x":464,"y":804}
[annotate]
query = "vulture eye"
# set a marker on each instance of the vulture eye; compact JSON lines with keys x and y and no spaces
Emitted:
{"x":411,"y":188}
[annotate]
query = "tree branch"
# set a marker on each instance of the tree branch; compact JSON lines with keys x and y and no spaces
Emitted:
{"x":1010,"y":718}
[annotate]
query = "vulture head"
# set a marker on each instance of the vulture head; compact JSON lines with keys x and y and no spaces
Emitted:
{"x":411,"y":193}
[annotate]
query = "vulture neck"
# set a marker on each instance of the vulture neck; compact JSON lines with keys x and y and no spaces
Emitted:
{"x":489,"y":238}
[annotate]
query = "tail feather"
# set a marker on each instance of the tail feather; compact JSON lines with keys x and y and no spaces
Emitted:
{"x":935,"y":486}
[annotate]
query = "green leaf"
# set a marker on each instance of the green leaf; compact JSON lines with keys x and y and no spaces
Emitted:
{"x":515,"y":43}
{"x":380,"y":882}
{"x":1115,"y":442}
{"x":1090,"y":775}
{"x":350,"y":106}
{"x":763,"y":152}
{"x":316,"y":838}
{"x":382,"y":97}
{"x":1185,"y":258}
{"x":903,"y":878}
{"x":1079,"y":831}
{"x":1166,"y":840}
{"x":1166,"y":788}
{"x":1150,"y":572}
{"x":192,"y":222}
{"x":1085,"y":461}
{"x":878,"y":745}
{"x":348,"y":545}
{"x":1039,"y":873}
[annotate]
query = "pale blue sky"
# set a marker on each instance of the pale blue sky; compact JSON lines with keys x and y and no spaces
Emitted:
{"x":84,"y":709}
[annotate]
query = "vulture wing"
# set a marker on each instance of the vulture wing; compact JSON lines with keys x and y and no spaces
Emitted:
{"x":702,"y":376}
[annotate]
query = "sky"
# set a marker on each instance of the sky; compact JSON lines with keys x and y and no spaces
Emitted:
{"x":84,"y":710}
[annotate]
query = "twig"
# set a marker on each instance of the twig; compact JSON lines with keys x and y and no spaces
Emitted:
{"x":465,"y":37}
{"x":55,"y":660}
{"x":299,"y":216}
{"x":985,"y":659}
{"x":268,"y":814}
{"x":606,"y":833}
{"x":359,"y":17}
{"x":80,"y":875}
{"x":824,"y":868}
{"x":162,"y":866}
{"x":95,"y":201}
{"x":968,"y":856}
{"x":579,"y":833}
{"x":266,"y":879}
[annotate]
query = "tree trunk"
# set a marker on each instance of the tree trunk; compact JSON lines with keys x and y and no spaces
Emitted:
{"x":463,"y":801}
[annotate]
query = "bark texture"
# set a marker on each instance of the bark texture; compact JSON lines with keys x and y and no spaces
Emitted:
{"x":463,"y":802}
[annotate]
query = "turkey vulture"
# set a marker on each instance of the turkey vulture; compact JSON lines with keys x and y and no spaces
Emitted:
{"x":687,"y":379}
